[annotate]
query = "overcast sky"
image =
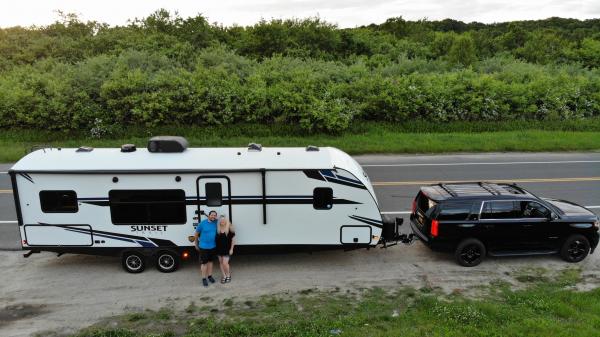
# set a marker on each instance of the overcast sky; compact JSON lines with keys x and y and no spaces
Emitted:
{"x":346,"y":13}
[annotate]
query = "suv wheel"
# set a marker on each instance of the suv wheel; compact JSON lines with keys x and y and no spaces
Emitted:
{"x":575,"y":248}
{"x":167,"y":262}
{"x":134,"y":262}
{"x":470,"y":252}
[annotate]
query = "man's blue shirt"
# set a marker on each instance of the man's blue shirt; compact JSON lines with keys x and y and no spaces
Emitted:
{"x":208,"y":232}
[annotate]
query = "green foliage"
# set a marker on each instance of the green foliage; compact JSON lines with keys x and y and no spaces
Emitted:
{"x":544,"y":307}
{"x":462,"y":51}
{"x":165,"y":69}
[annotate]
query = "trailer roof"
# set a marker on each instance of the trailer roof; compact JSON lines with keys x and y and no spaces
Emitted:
{"x":192,"y":159}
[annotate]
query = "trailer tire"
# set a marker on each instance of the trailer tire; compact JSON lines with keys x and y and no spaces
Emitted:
{"x":167,"y":261}
{"x":133,"y":262}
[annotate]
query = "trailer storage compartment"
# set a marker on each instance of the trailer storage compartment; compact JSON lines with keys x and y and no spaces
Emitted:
{"x":355,"y":234}
{"x":57,"y":235}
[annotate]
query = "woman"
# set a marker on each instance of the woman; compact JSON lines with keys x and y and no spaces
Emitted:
{"x":225,"y":244}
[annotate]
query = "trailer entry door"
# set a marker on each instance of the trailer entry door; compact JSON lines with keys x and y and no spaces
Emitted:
{"x":214,"y":194}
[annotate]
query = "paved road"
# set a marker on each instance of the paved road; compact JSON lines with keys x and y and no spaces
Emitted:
{"x":571,"y":176}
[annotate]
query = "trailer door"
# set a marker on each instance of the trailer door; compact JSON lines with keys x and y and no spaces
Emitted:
{"x":214,"y":194}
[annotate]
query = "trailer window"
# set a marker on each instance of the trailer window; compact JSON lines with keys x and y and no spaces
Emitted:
{"x":214,"y":194}
{"x":58,"y":201}
{"x":147,"y":207}
{"x":322,"y":198}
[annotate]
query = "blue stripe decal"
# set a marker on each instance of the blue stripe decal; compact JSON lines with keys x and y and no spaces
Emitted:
{"x":146,"y":244}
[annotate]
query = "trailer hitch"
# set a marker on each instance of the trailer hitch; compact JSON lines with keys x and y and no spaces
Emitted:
{"x":407,"y":239}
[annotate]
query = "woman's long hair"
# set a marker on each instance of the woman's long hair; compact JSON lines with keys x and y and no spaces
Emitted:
{"x":225,"y":225}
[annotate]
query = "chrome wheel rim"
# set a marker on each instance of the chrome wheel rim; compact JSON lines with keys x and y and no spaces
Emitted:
{"x":133,"y":262}
{"x":166,"y":261}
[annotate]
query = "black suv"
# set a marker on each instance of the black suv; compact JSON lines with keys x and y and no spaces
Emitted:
{"x":475,"y":219}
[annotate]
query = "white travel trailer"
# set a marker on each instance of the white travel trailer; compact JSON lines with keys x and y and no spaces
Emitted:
{"x":142,"y":203}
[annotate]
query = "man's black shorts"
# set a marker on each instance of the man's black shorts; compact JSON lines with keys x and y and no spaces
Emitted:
{"x":207,"y":255}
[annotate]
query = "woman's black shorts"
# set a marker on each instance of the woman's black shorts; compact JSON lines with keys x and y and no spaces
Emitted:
{"x":207,"y":255}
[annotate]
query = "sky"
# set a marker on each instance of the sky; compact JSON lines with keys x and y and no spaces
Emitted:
{"x":344,"y":13}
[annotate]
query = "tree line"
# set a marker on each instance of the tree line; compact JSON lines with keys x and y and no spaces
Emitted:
{"x":165,"y":69}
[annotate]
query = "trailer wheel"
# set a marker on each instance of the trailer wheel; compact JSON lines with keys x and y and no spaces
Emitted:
{"x":167,"y":262}
{"x":133,"y":262}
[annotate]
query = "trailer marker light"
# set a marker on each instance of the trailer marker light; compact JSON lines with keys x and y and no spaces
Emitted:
{"x":434,"y":228}
{"x":185,"y":255}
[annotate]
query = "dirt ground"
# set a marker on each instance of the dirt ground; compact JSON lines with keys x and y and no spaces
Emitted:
{"x":64,"y":294}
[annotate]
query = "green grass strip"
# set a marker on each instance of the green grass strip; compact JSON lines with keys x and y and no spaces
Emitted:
{"x":544,"y":307}
{"x":382,"y":141}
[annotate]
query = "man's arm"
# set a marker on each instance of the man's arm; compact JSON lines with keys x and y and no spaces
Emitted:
{"x":197,"y":236}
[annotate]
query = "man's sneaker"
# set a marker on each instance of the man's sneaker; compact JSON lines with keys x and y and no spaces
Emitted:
{"x":204,"y":282}
{"x":211,"y":279}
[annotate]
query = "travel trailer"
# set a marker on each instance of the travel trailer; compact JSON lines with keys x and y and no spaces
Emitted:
{"x":144,"y":204}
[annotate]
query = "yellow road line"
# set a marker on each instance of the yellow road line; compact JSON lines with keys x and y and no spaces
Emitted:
{"x":530,"y":180}
{"x":6,"y":191}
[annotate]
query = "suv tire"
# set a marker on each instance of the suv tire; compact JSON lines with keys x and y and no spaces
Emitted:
{"x":575,"y":248}
{"x":470,"y":252}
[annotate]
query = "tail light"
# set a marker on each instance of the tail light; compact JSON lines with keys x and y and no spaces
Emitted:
{"x":414,"y":206}
{"x":434,"y":228}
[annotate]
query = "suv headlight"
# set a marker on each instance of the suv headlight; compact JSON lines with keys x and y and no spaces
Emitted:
{"x":597,"y":224}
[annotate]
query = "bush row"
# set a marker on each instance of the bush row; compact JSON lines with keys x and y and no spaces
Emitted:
{"x":219,"y":86}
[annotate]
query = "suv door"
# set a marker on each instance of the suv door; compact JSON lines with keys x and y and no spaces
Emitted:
{"x":501,"y":219}
{"x":458,"y":220}
{"x":538,"y":230}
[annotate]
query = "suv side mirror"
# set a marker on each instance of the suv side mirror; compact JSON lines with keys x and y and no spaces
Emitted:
{"x":552,"y":216}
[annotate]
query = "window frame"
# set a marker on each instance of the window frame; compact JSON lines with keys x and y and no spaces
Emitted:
{"x":444,"y":206}
{"x":314,"y":201}
{"x":220,"y":193}
{"x":484,"y":202}
{"x":147,"y":204}
{"x":75,"y":210}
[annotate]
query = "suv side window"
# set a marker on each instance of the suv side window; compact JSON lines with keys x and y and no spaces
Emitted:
{"x":501,"y":210}
{"x":455,"y":211}
{"x":533,"y":209}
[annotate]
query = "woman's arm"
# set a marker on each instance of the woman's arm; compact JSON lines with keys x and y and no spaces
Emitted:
{"x":232,"y":245}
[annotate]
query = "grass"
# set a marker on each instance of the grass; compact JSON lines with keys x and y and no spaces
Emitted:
{"x":547,"y":307}
{"x":360,"y":138}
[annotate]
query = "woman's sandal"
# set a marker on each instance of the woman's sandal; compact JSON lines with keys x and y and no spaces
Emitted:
{"x":228,"y":279}
{"x":223,"y":280}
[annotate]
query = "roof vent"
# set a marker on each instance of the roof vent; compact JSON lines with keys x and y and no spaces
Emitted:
{"x":312,"y":148}
{"x":84,"y":149}
{"x":254,"y":147}
{"x":128,"y":148}
{"x":167,"y":144}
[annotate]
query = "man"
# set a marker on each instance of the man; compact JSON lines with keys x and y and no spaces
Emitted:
{"x":204,"y":241}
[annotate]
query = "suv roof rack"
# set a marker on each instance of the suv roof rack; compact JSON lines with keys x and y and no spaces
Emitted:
{"x":480,"y":188}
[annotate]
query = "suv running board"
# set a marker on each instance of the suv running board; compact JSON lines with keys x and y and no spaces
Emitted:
{"x":520,"y":253}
